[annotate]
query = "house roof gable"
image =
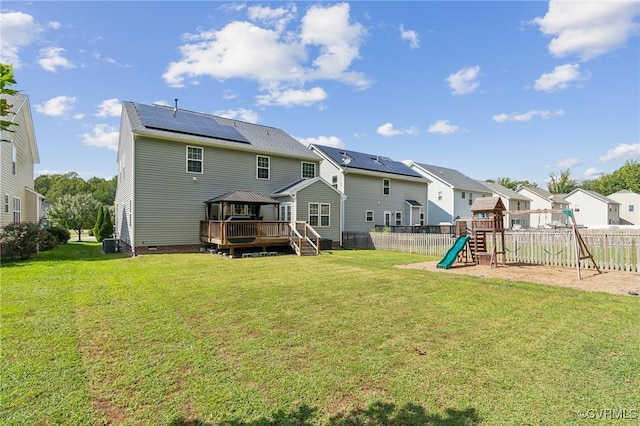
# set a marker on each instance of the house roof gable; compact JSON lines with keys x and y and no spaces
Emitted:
{"x":299,"y":185}
{"x":21,"y":107}
{"x":504,"y":191}
{"x":593,"y":194}
{"x":255,"y":137}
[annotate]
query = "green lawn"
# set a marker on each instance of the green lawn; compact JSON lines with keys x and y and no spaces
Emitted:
{"x":339,"y":339}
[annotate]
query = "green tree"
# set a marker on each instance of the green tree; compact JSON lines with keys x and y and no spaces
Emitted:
{"x":513,"y":184}
{"x":76,"y":212}
{"x":626,"y":177}
{"x":562,"y":183}
{"x":107,"y":224}
{"x":103,"y":190}
{"x":6,"y":81}
{"x":98,"y":224}
{"x":55,"y":186}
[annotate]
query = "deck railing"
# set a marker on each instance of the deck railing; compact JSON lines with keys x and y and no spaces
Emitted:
{"x":236,"y":232}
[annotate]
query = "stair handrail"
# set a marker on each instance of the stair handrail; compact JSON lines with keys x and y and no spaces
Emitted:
{"x":308,"y":228}
{"x":297,"y":246}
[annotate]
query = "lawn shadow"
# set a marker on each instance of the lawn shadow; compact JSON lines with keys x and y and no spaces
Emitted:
{"x":379,"y":413}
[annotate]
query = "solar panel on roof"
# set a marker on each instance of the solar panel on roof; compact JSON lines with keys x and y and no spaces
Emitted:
{"x":162,"y":118}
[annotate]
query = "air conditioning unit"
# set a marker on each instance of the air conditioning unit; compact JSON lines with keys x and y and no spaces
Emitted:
{"x":110,"y":245}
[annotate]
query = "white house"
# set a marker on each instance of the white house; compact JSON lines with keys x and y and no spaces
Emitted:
{"x":18,"y":154}
{"x":378,"y":190}
{"x":542,"y":199}
{"x":451,"y":193}
{"x":629,"y":206}
{"x":513,"y":201}
{"x":593,"y":209}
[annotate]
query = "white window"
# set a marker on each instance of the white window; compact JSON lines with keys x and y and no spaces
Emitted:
{"x":518,"y":208}
{"x":439,"y":195}
{"x":368,"y":216}
{"x":576,"y":208}
{"x":386,"y":186}
{"x":285,"y":212}
{"x":463,"y":195}
{"x":421,"y":218}
{"x":6,"y":203}
{"x":262,"y":167}
{"x":14,"y":160}
{"x":334,"y":181}
{"x":470,"y":198}
{"x":16,"y":209}
{"x":319,"y":214}
{"x":194,"y":159}
{"x":398,"y":217}
{"x":631,"y":208}
{"x":308,"y":170}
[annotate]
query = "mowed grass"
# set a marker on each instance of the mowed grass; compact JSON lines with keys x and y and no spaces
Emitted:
{"x":339,"y":339}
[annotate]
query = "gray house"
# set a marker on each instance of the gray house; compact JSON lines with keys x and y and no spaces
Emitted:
{"x":188,"y":180}
{"x":513,"y":202}
{"x":379,"y":191}
{"x":451,"y":193}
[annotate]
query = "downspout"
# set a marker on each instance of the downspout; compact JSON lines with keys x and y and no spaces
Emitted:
{"x":133,"y":195}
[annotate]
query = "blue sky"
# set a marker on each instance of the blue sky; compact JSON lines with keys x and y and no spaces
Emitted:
{"x":492,"y":89}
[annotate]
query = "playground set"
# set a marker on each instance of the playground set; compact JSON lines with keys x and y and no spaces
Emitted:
{"x":470,"y":246}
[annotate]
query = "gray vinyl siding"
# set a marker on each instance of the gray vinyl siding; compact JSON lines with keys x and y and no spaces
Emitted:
{"x":124,"y":190}
{"x":328,"y":170}
{"x":319,"y":192}
{"x":365,"y":193}
{"x":14,"y":185}
{"x":169,"y":203}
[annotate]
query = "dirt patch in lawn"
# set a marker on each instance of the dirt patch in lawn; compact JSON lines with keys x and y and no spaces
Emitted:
{"x":614,"y":282}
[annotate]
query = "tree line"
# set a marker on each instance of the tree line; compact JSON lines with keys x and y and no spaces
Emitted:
{"x":53,"y":187}
{"x":626,"y":177}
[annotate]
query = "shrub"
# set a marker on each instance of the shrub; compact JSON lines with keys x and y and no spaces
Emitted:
{"x":98,"y":224}
{"x":46,"y":240}
{"x":61,"y":234}
{"x":20,"y":240}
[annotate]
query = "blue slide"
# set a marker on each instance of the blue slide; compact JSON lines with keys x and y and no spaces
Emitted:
{"x":453,"y":252}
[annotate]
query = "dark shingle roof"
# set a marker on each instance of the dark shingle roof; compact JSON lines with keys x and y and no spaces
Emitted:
{"x":454,"y":178}
{"x":361,"y":161}
{"x":262,"y":139}
{"x":243,"y":197}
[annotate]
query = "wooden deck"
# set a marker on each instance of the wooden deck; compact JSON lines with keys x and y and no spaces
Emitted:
{"x":229,"y":235}
{"x":240,"y":234}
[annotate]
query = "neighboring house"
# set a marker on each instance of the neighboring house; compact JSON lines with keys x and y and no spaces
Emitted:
{"x":592,"y":209}
{"x":451,"y":193}
{"x":378,"y":190}
{"x":542,"y":199}
{"x":18,"y":154}
{"x":513,"y":202}
{"x":629,"y":206}
{"x":186,"y":178}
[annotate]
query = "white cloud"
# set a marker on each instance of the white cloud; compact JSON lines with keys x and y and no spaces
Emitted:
{"x":56,"y":107}
{"x":241,"y":114}
{"x":277,"y":18}
{"x":621,"y":151}
{"x":109,"y":108}
{"x":388,"y":130}
{"x":527,"y":116}
{"x":332,"y":141}
{"x":18,"y":30}
{"x":559,"y":78}
{"x":592,"y":172}
{"x":411,"y":36}
{"x":51,"y":59}
{"x":102,"y":136}
{"x":588,"y":29}
{"x":464,"y":81}
{"x":279,"y":59}
{"x":292,"y":97}
{"x":567,"y":163}
{"x":443,"y":127}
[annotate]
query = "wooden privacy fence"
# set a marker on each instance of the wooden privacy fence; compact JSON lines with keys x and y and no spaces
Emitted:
{"x":611,"y":249}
